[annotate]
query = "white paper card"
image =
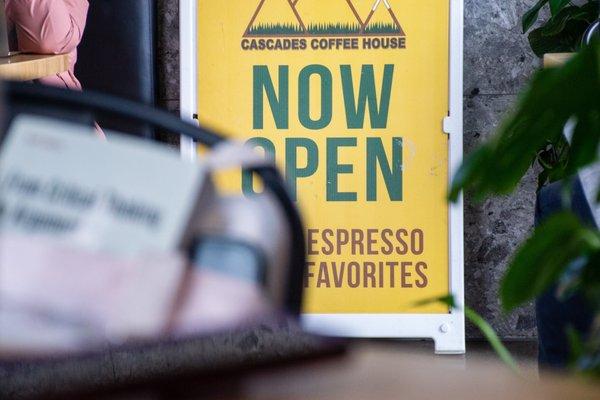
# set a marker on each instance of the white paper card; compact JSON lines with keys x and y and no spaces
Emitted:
{"x":123,"y":196}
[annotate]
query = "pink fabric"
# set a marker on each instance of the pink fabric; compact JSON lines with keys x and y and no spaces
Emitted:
{"x":50,"y":27}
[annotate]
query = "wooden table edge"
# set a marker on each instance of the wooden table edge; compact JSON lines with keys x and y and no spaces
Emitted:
{"x":26,"y":67}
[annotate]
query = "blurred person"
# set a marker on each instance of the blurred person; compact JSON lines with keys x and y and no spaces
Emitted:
{"x":556,"y":312}
{"x":50,"y":27}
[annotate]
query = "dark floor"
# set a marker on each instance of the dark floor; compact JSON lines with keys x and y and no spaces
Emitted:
{"x":524,"y":350}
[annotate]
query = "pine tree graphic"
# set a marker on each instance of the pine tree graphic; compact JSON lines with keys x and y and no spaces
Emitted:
{"x":299,"y":28}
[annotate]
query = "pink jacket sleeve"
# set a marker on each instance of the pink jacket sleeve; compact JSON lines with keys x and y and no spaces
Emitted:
{"x":48,"y":26}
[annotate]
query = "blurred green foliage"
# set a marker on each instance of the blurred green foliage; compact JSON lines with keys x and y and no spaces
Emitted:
{"x":554,"y":98}
{"x":563,"y":30}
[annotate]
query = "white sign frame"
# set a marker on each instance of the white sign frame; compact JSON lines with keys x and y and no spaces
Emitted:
{"x":446,"y":330}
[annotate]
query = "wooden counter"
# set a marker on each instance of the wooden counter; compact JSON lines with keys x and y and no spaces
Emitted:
{"x":27,"y":67}
{"x":556,"y":59}
{"x":380,"y":371}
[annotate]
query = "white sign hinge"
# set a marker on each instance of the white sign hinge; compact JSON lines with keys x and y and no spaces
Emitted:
{"x":448,"y":125}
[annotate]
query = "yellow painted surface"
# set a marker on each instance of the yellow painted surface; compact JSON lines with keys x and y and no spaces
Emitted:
{"x":419,"y":102}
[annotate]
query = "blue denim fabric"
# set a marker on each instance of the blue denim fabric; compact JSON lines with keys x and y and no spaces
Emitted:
{"x":555,"y":315}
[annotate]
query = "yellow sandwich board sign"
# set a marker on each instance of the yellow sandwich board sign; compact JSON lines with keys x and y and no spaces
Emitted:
{"x":359,"y":103}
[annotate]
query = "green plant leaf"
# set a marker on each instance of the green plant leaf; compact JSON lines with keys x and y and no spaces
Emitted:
{"x":553,"y":159}
{"x":557,"y":5}
{"x":590,"y":280}
{"x":541,"y":260}
{"x":585,"y":141}
{"x":481,"y":324}
{"x":552,"y":98}
{"x":565,"y":41}
{"x":531,"y":16}
{"x":468,"y":172}
{"x":563,"y":32}
{"x":447,"y":300}
{"x":557,"y":23}
{"x":543,"y":177}
{"x":576,"y":345}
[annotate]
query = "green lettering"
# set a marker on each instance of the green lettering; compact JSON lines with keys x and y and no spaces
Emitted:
{"x":247,"y":176}
{"x":292,"y":171}
{"x":334,"y":168}
{"x":355,"y":109}
{"x":279,"y":103}
{"x":392,"y":175}
{"x":304,"y":96}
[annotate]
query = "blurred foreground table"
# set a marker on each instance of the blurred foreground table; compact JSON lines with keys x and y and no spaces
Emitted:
{"x":379,"y":371}
{"x":272,"y":364}
{"x":27,"y":67}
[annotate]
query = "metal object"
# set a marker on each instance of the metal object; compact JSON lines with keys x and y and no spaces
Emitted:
{"x":5,"y":42}
{"x":592,"y":32}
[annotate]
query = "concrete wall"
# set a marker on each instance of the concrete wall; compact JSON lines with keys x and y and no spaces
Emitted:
{"x":498,"y":62}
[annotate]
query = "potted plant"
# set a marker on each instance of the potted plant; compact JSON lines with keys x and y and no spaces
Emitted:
{"x":553,"y":98}
{"x":562,"y":256}
{"x":564,"y":29}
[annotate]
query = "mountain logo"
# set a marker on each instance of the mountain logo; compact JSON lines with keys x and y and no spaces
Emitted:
{"x":303,"y":18}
